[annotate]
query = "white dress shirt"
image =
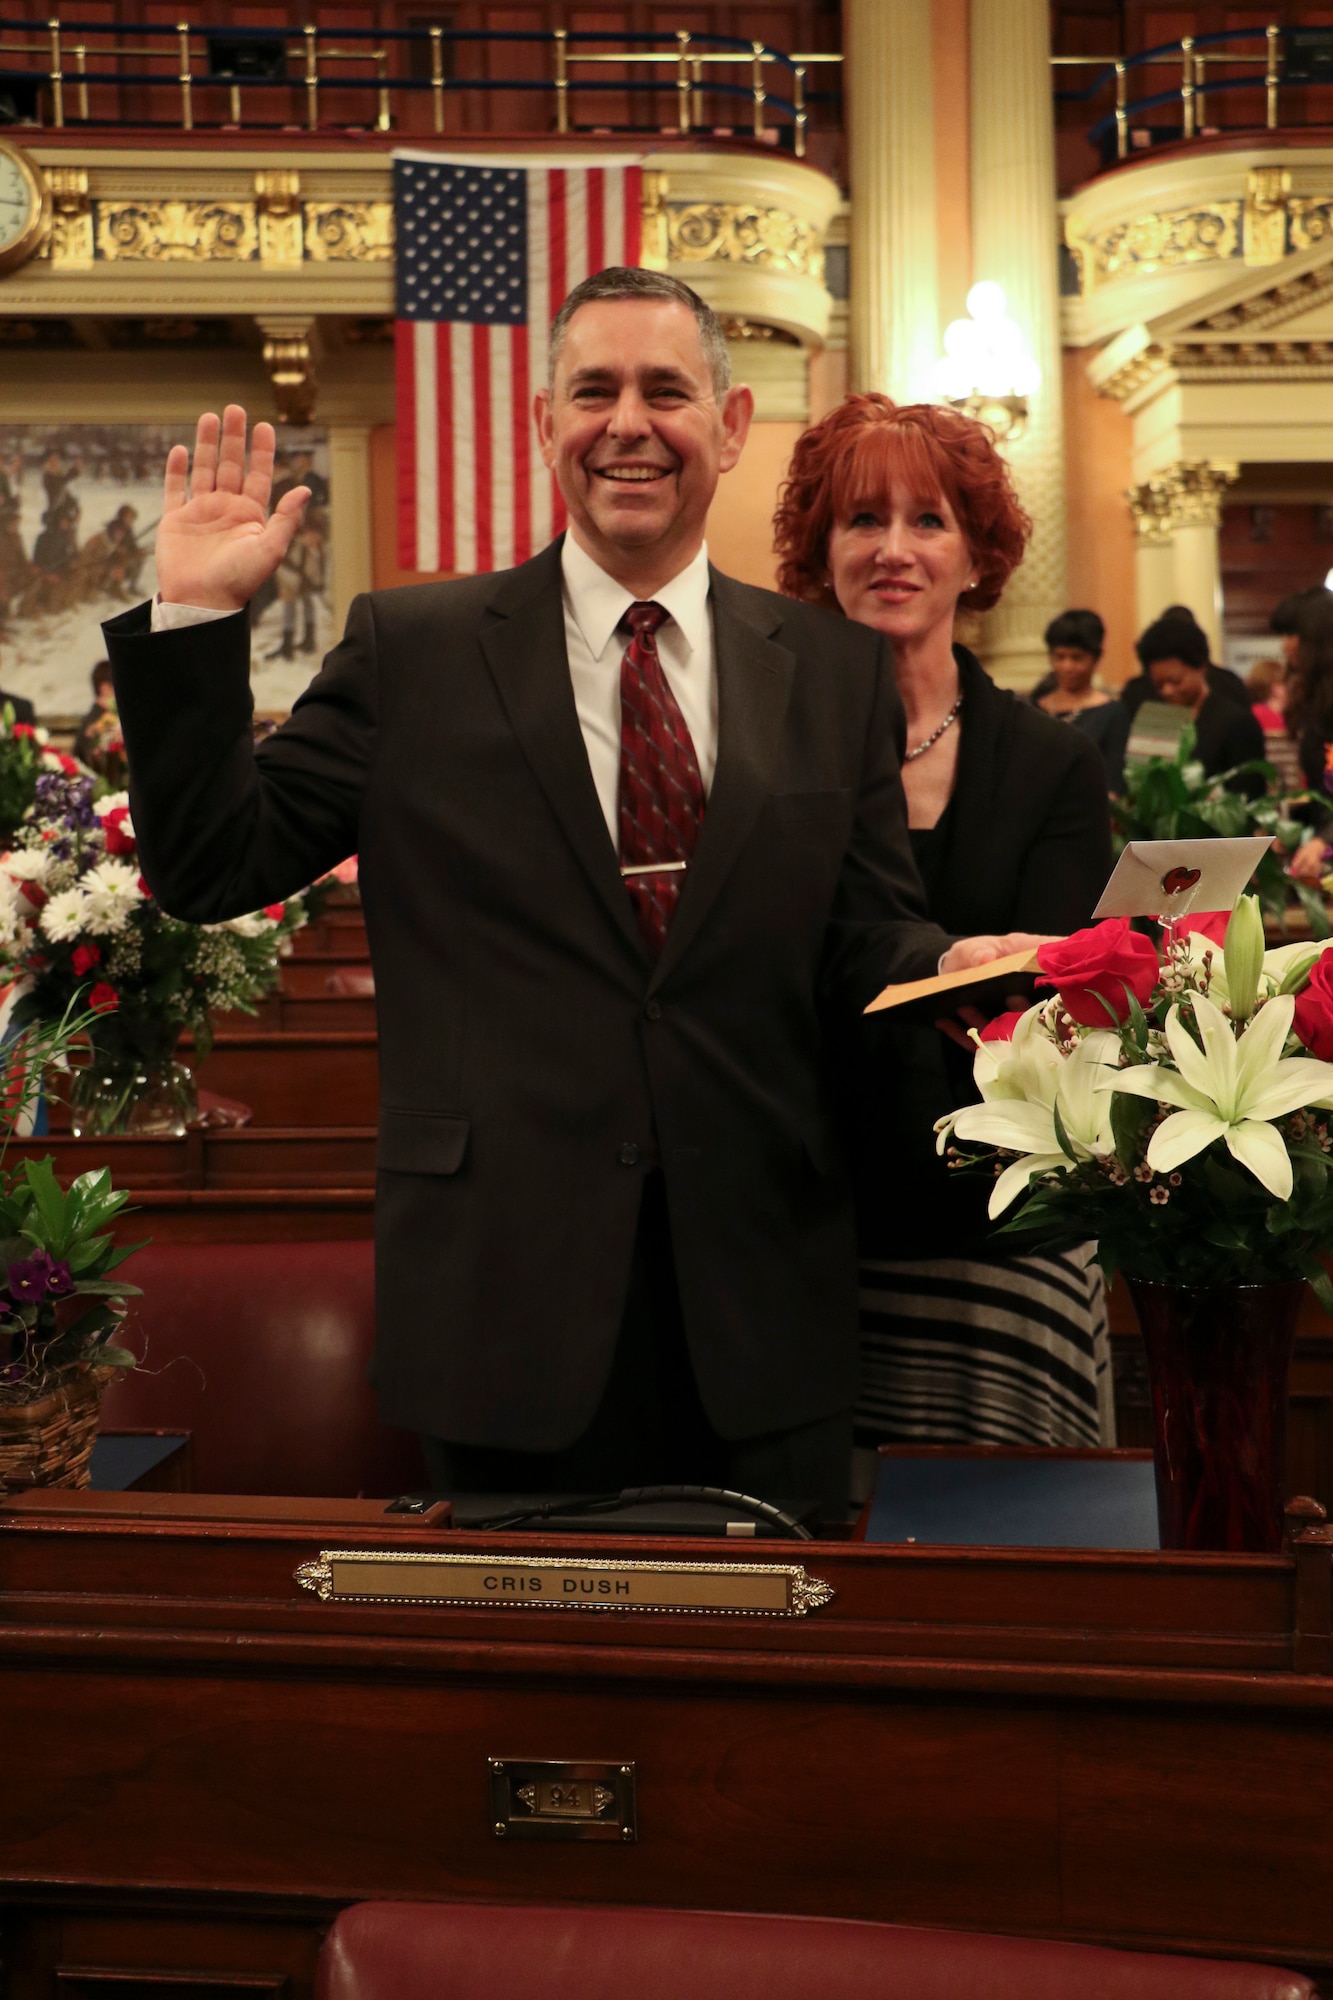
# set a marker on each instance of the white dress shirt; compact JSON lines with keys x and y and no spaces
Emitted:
{"x":594,"y":605}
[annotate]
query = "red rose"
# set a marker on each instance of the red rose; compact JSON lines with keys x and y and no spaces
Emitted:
{"x":144,"y":889}
{"x":24,"y":729}
{"x":118,"y":841}
{"x":1313,"y":1019}
{"x":1208,"y":923}
{"x":1001,"y":1029}
{"x":69,"y":767}
{"x":84,"y":958}
{"x":275,"y":912}
{"x":1100,"y":964}
{"x":103,"y":999}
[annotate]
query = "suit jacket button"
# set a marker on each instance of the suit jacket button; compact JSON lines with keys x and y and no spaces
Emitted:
{"x":653,"y":1010}
{"x":628,"y":1154}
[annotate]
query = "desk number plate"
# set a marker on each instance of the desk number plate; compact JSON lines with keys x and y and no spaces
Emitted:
{"x":570,"y":1801}
{"x":737,"y":1590}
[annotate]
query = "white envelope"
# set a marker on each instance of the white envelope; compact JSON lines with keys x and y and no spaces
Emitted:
{"x":1173,"y":878}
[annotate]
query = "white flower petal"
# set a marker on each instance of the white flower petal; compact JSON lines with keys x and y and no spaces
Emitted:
{"x":1165,"y":1086}
{"x":1013,"y":1123}
{"x":1219,"y":1048}
{"x":1014,"y":1180}
{"x":1290,"y":1085}
{"x":1182,"y":1135}
{"x":1259,"y":1147}
{"x":1260,"y":1047}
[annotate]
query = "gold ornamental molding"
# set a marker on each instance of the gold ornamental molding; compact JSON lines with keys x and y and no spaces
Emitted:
{"x":771,"y":239}
{"x":349,"y":232}
{"x":1189,"y":494}
{"x":1206,"y":232}
{"x":176,"y":232}
{"x":71,"y":238}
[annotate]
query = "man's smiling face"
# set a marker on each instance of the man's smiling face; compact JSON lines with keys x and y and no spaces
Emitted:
{"x":636,"y":435}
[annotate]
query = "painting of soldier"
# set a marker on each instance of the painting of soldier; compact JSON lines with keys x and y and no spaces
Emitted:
{"x":79,"y":507}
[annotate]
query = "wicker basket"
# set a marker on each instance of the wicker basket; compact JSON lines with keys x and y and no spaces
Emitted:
{"x":48,"y":1441}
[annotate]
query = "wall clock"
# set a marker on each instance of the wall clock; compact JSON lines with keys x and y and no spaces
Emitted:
{"x":25,"y":207}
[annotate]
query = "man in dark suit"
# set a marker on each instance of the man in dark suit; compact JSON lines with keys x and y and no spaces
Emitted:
{"x":614,"y":1239}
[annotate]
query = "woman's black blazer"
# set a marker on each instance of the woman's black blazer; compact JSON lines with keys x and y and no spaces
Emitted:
{"x":1027,"y":847}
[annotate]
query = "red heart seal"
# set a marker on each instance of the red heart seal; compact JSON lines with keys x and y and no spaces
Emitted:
{"x":1177,"y":880}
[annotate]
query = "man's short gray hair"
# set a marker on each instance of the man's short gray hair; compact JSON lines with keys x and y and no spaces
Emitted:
{"x":631,"y":281}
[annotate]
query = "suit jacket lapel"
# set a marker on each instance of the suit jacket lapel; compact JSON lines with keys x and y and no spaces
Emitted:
{"x":754,"y":677}
{"x":524,"y":647}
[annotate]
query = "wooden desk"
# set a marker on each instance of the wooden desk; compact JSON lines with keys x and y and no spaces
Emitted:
{"x":1095,"y":1746}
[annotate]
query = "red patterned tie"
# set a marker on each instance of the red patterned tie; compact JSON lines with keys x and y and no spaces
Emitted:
{"x":661,"y":792}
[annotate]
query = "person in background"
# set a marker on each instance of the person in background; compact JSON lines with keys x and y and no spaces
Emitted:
{"x":1074,"y":642}
{"x":1308,"y":712}
{"x":1175,"y":656}
{"x":898,"y":517}
{"x":1287,"y":616}
{"x":1221,"y":680}
{"x":99,"y":743}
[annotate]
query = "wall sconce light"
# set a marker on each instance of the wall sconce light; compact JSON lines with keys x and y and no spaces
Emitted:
{"x":987,"y":371}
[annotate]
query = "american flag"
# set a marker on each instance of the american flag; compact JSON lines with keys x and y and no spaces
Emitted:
{"x":486,"y":252}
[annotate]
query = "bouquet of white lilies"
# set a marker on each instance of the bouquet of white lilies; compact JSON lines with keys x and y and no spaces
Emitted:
{"x":1189,"y":1134}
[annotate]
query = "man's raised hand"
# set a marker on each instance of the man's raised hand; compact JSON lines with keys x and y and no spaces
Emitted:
{"x":217,"y":542}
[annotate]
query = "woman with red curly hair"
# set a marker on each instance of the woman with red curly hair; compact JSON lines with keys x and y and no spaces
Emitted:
{"x":900,"y":517}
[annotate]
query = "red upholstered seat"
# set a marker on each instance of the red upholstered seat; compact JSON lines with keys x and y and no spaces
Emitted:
{"x":260,"y":1350}
{"x":472,"y":1951}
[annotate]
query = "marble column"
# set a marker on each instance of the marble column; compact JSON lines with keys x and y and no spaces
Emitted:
{"x":893,"y":318}
{"x":1154,"y":558}
{"x":1195,"y":492}
{"x":1015,"y":233}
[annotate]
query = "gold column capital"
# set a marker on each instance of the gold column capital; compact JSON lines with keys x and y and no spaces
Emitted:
{"x":1195,"y":490}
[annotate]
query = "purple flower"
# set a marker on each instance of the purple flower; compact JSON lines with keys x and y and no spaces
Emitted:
{"x":35,"y":1279}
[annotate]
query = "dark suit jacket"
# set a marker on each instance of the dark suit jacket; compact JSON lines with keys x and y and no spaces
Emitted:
{"x":534,"y":1060}
{"x":1027,"y":846}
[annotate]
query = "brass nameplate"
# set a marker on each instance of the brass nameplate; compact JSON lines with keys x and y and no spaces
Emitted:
{"x":565,"y":1801}
{"x":755,"y":1590}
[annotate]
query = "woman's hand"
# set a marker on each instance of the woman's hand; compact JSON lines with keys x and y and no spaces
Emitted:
{"x":1307,"y":864}
{"x":217,"y":543}
{"x":971,"y":952}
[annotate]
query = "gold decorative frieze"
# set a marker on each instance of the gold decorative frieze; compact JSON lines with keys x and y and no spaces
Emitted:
{"x":349,"y":232}
{"x":177,"y":232}
{"x":1309,"y":220}
{"x":1202,"y":233}
{"x":278,"y":205}
{"x":733,"y":233}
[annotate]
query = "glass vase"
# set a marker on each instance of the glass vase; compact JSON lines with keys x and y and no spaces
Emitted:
{"x":133,"y":1092}
{"x":1218,"y":1359}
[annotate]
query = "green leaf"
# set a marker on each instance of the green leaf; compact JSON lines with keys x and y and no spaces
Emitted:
{"x":49,"y":1203}
{"x":116,"y":1357}
{"x":1061,"y":1136}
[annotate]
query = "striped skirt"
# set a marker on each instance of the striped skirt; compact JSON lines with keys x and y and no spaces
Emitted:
{"x":972,"y":1351}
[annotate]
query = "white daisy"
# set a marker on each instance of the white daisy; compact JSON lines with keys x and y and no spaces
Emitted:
{"x":110,"y":802}
{"x":63,"y":916}
{"x":26,"y":864}
{"x":111,"y":892}
{"x":255,"y":925}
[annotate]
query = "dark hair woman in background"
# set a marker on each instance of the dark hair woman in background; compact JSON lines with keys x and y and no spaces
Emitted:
{"x":1074,"y":643}
{"x":1174,"y":653}
{"x":1309,"y":718}
{"x":899,"y":517}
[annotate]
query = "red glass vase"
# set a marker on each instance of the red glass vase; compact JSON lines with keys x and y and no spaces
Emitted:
{"x":1218,"y":1357}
